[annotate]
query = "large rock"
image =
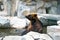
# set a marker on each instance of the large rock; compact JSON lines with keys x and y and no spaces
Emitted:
{"x":4,"y":22}
{"x":3,"y":13}
{"x":47,"y":4}
{"x":0,"y":38}
{"x":56,"y":36}
{"x":26,"y":37}
{"x":19,"y":23}
{"x":29,"y":36}
{"x":58,"y":9}
{"x":50,"y":16}
{"x":54,"y":32}
{"x":41,"y":11}
{"x":18,"y":38}
{"x":53,"y":10}
{"x":14,"y":22}
{"x":22,"y":8}
{"x":54,"y":3}
{"x":39,"y":4}
{"x":53,"y":29}
{"x":58,"y":22}
{"x":43,"y":20}
{"x":38,"y":36}
{"x":12,"y":38}
{"x":49,"y":19}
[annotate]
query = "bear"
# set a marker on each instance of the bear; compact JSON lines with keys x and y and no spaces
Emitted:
{"x":35,"y":24}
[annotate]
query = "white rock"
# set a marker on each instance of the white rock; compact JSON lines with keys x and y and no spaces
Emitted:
{"x":47,"y":4}
{"x":18,"y":38}
{"x":21,"y":8}
{"x":53,"y":31}
{"x":54,"y":3}
{"x":12,"y":38}
{"x":39,"y":4}
{"x":19,"y":23}
{"x":50,"y":16}
{"x":58,"y":22}
{"x":53,"y":10}
{"x":0,"y":38}
{"x":3,"y":13}
{"x":39,"y":36}
{"x":4,"y":22}
{"x":27,"y":37}
{"x":58,"y":9}
{"x":44,"y":18}
{"x":53,"y":28}
{"x":34,"y":34}
{"x":56,"y":36}
{"x":41,"y":11}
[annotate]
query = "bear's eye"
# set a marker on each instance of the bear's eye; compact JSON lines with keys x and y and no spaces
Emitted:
{"x":35,"y":15}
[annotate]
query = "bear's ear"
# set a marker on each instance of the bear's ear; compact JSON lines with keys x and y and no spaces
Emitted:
{"x":35,"y":15}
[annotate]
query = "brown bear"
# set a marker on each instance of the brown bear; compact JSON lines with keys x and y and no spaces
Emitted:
{"x":35,"y":24}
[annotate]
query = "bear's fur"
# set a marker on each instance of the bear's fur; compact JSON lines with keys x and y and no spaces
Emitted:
{"x":35,"y":24}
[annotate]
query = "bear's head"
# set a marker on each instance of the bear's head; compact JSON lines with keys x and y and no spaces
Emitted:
{"x":32,"y":17}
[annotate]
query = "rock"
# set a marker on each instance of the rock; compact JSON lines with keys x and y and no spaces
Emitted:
{"x":56,"y":36}
{"x":43,"y":20}
{"x":3,"y":13}
{"x":52,"y":16}
{"x":19,"y":23}
{"x":4,"y":22}
{"x":54,"y":3}
{"x":58,"y":9}
{"x":18,"y":38}
{"x":40,"y":7}
{"x":0,"y":38}
{"x":47,"y":4}
{"x":53,"y":28}
{"x":39,"y":4}
{"x":50,"y":19}
{"x":12,"y":38}
{"x":27,"y":37}
{"x":53,"y":10}
{"x":58,"y":22}
{"x":34,"y":34}
{"x":38,"y":36}
{"x":53,"y":31}
{"x":41,"y":11}
{"x":22,"y":8}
